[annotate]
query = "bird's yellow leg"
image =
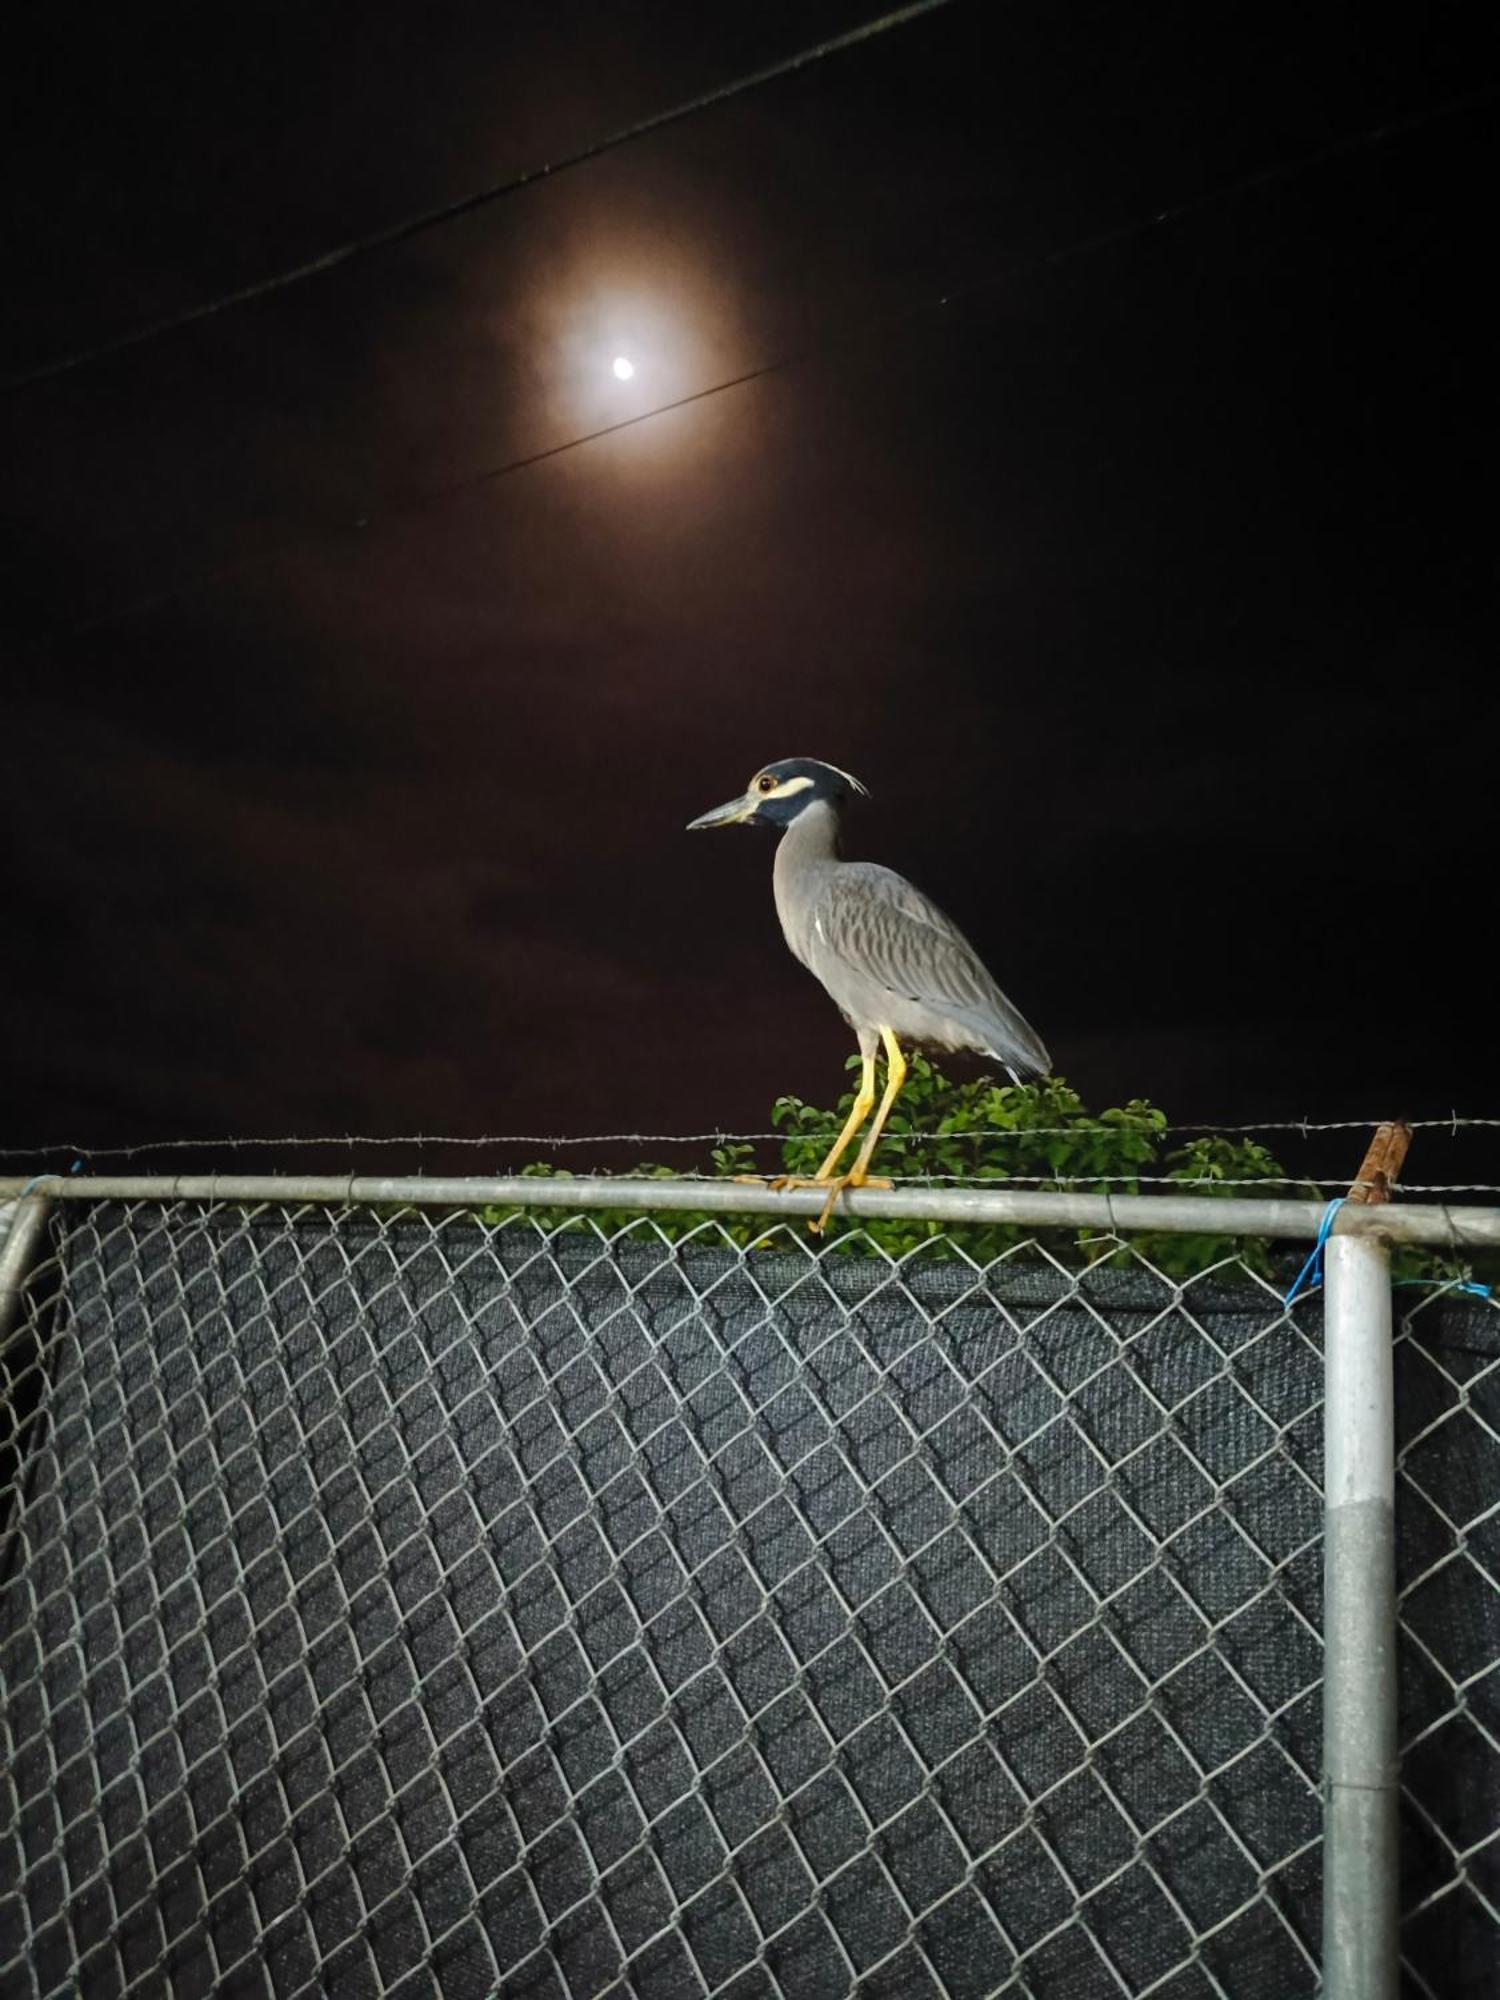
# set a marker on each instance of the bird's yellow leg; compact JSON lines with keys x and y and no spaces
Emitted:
{"x":863,"y":1099}
{"x":895,"y":1077}
{"x":859,"y":1174}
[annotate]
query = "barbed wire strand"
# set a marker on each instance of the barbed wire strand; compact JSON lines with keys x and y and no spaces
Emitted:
{"x":418,"y":224}
{"x":1292,"y":1182}
{"x":401,"y":507}
{"x":1453,"y":1124}
{"x":1296,"y":1186}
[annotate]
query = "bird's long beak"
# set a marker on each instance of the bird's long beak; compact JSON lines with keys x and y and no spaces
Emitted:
{"x":729,"y":814}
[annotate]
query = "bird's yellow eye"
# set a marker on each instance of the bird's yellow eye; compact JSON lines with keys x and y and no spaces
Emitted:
{"x":765,"y":782}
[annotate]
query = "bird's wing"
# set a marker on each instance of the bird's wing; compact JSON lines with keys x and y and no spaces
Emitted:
{"x":875,"y":920}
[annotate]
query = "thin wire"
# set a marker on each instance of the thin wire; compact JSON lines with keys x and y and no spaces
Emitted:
{"x":990,"y":1182}
{"x":1452,"y":1123}
{"x":1287,"y":1180}
{"x":987,"y":1133}
{"x":398,"y":1139}
{"x":1426,"y":1187}
{"x":1123,"y":232}
{"x":206,"y":580}
{"x":1002,"y":1180}
{"x":452,"y":211}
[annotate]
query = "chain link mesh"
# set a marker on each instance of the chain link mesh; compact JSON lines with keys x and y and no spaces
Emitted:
{"x":397,"y":1605}
{"x":1448,"y":1514}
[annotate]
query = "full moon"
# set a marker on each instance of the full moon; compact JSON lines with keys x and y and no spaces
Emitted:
{"x":623,"y":368}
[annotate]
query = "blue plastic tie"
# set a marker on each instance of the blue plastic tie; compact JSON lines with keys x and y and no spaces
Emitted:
{"x":1314,"y":1262}
{"x":37,"y":1179}
{"x":1453,"y":1285}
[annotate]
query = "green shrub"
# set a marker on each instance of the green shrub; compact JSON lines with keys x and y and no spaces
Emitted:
{"x":982,"y":1133}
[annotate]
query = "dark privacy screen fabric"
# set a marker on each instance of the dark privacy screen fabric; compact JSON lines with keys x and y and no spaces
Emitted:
{"x":394,"y":1605}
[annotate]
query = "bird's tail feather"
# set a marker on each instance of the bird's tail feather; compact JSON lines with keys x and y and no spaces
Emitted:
{"x":1021,"y":1071}
{"x":1010,"y":1038}
{"x":1021,"y":1053}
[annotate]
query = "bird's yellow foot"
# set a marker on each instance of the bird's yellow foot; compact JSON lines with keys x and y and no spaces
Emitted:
{"x":836,"y":1188}
{"x":835,"y":1184}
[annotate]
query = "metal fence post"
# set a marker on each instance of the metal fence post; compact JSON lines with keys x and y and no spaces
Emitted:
{"x":1360,"y":1859}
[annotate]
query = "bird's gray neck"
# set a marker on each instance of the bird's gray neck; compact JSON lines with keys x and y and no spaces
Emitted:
{"x":806,"y":855}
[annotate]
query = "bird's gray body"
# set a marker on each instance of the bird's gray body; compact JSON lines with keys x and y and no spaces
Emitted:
{"x":888,"y":957}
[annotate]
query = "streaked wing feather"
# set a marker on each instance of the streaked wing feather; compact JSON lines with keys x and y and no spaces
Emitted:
{"x":876,"y":920}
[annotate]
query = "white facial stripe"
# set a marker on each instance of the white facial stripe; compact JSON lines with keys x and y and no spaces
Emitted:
{"x":789,"y":787}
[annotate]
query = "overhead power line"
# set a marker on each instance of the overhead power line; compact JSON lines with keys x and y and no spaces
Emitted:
{"x":451,"y":211}
{"x":1158,"y":217}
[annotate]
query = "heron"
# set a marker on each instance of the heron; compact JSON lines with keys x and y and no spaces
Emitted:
{"x":896,"y":967}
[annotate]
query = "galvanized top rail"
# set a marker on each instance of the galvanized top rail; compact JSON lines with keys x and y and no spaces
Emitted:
{"x":1438,"y":1224}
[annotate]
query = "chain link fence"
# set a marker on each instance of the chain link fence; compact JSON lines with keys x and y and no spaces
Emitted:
{"x":396,"y":1605}
{"x":1448,"y":1549}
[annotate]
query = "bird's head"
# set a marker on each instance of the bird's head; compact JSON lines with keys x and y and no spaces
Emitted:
{"x":779,"y":792}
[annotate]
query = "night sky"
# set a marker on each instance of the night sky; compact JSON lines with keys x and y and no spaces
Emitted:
{"x":1148,"y":587}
